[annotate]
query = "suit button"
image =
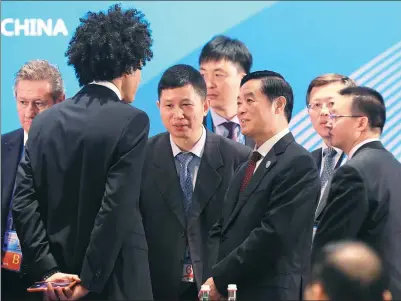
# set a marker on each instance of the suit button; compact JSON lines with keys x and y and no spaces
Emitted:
{"x":223,"y":238}
{"x":183,"y":234}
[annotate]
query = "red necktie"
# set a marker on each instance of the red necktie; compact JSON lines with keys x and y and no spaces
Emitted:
{"x":249,"y":170}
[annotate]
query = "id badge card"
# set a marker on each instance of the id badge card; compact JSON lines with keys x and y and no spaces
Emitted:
{"x":12,"y":255}
{"x":187,"y":270}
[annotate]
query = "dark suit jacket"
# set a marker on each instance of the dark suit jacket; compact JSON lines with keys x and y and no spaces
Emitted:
{"x":162,"y":208}
{"x":208,"y":123}
{"x":76,"y":203}
{"x":11,"y":150}
{"x":266,"y":231}
{"x":364,"y":203}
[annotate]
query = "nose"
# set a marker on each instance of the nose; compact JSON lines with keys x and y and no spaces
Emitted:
{"x":178,"y":113}
{"x":210,"y":81}
{"x":240,"y":110}
{"x":324,"y":111}
{"x":31,"y":110}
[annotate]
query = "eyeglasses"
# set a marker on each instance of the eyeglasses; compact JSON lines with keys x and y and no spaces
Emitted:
{"x":335,"y":116}
{"x":319,"y":106}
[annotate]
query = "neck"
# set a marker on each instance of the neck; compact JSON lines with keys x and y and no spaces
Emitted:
{"x":227,"y":113}
{"x":118,"y":82}
{"x":186,"y":144}
{"x":269,"y":133}
{"x":363,"y":137}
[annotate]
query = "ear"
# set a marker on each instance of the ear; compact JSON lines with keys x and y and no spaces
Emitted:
{"x":279,"y":104}
{"x":387,"y":296}
{"x":363,"y":123}
{"x":158,"y":104}
{"x":61,"y":98}
{"x":205,"y":107}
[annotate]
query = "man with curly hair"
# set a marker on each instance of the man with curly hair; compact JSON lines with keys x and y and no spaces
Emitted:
{"x":77,"y":189}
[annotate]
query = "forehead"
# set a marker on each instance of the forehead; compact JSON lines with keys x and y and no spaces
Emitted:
{"x":325,"y":92}
{"x":33,"y":89}
{"x":251,"y":87}
{"x":342,"y":103}
{"x":223,"y":64}
{"x":186,"y":92}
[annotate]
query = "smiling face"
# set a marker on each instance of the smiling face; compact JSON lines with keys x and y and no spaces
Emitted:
{"x":182,"y":111}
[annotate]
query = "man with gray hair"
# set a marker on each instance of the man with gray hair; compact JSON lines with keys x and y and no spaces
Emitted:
{"x":38,"y":86}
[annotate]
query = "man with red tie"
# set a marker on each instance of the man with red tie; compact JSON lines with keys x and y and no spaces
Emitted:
{"x":265,"y":231}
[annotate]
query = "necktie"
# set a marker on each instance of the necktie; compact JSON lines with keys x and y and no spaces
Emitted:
{"x":232,"y":130}
{"x":185,"y":179}
{"x":249,"y":170}
{"x":328,"y":165}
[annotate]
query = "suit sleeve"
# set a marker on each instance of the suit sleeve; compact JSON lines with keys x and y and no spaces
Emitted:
{"x":120,"y":200}
{"x":28,"y":222}
{"x":291,"y":202}
{"x":346,"y":209}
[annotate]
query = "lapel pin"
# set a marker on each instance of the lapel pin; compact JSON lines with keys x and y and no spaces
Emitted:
{"x":268,"y":164}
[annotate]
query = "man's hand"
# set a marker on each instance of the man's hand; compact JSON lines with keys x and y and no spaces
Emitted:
{"x":63,"y":293}
{"x":214,"y":294}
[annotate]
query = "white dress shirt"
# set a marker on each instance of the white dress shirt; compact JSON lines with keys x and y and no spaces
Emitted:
{"x":109,"y":85}
{"x":359,"y":145}
{"x":221,"y":130}
{"x":265,"y":148}
{"x":197,"y":150}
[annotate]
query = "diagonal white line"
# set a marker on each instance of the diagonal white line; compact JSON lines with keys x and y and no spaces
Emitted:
{"x":394,"y":98}
{"x":389,"y":81}
{"x":391,"y":90}
{"x":394,"y":142}
{"x":312,"y":142}
{"x":383,"y":75}
{"x":397,"y":153}
{"x":377,"y":59}
{"x":390,"y":134}
{"x":297,"y":118}
{"x":378,"y":68}
{"x":394,"y":109}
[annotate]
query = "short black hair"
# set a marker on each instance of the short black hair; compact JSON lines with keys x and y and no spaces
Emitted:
{"x":367,"y":102}
{"x":107,"y":45}
{"x":224,"y":48}
{"x":345,"y":277}
{"x":273,"y":85}
{"x":181,"y":75}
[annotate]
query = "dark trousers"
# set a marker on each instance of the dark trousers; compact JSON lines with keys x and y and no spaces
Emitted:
{"x":14,"y":285}
{"x":188,"y":291}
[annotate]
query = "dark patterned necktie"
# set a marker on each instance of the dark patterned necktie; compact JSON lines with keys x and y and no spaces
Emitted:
{"x":231,"y":127}
{"x":328,"y":165}
{"x":249,"y":170}
{"x":186,"y":179}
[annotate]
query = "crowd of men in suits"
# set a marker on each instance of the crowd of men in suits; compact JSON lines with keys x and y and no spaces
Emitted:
{"x":224,"y":196}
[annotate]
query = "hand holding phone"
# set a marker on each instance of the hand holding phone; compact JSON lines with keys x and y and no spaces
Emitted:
{"x":42,"y":285}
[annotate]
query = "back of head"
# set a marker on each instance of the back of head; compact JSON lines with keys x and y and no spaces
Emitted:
{"x":367,"y":102}
{"x":181,"y":75}
{"x":224,"y":48}
{"x":108,"y":45}
{"x":273,"y":85}
{"x":327,"y":79}
{"x":349,"y":271}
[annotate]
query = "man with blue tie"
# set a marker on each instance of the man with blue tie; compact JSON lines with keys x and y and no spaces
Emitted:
{"x":319,"y":100}
{"x":38,"y":86}
{"x":186,"y":175}
{"x":223,"y":63}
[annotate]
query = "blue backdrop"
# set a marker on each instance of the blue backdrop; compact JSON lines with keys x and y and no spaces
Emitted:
{"x":298,"y":39}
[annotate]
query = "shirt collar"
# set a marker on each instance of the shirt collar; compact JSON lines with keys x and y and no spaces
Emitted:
{"x":109,"y":85}
{"x":218,"y":120}
{"x":268,"y":145}
{"x":325,"y":146}
{"x":25,"y":137}
{"x":197,"y":149}
{"x":359,"y":145}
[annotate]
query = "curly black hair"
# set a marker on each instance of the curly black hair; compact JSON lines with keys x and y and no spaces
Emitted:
{"x":106,"y":46}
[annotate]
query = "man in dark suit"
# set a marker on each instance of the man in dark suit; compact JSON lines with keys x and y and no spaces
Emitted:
{"x":363,"y":201}
{"x":319,"y":100}
{"x":187,"y":173}
{"x":76,"y":204}
{"x":38,"y":86}
{"x":223,"y":63}
{"x":266,"y":229}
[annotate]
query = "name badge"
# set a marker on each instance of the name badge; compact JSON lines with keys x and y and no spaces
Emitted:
{"x":12,"y":255}
{"x":187,"y":270}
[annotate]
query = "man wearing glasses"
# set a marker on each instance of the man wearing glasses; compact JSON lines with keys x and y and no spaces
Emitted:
{"x":319,"y":100}
{"x":363,"y":199}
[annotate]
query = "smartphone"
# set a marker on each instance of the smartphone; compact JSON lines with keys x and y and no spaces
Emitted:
{"x":42,"y":286}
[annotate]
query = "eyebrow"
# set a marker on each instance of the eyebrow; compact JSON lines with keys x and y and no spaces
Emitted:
{"x":322,"y":99}
{"x":214,"y":70}
{"x":249,"y":94}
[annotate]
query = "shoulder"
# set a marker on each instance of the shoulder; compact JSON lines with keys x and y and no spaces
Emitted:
{"x":5,"y":138}
{"x":297,"y":159}
{"x":229,"y":147}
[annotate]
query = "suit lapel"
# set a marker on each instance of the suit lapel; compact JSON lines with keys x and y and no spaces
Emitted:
{"x":317,"y":155}
{"x":265,"y":166}
{"x":208,"y":178}
{"x":166,"y":178}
